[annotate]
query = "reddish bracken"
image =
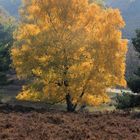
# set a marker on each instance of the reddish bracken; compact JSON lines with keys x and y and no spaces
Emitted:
{"x":56,"y":125}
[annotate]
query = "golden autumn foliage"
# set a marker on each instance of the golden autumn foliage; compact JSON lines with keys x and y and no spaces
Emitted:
{"x":69,"y":49}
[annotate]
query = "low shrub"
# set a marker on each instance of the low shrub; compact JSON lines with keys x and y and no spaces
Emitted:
{"x":3,"y":79}
{"x":134,"y":85}
{"x":127,"y":100}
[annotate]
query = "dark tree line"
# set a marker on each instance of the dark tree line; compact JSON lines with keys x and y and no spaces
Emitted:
{"x":134,"y":84}
{"x":6,"y":42}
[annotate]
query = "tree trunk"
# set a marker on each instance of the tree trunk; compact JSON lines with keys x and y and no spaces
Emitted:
{"x":70,"y":106}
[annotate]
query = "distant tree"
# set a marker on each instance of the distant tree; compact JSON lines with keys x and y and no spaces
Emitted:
{"x":70,"y":51}
{"x":132,"y":61}
{"x":6,"y":41}
{"x":134,"y":84}
{"x":136,"y":42}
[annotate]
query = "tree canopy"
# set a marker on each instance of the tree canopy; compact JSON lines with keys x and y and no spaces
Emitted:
{"x":70,"y":51}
